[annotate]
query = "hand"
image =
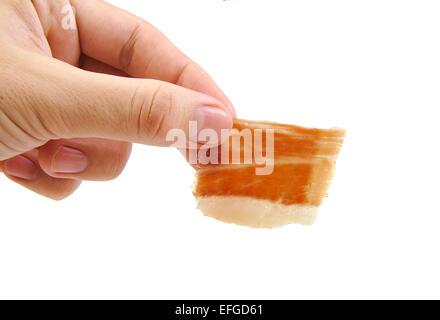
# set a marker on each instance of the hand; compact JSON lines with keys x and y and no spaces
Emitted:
{"x":72,"y":97}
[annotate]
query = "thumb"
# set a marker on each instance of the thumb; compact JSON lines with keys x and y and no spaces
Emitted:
{"x":78,"y":104}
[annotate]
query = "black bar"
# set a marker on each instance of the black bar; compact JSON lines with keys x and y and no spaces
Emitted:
{"x":216,"y":309}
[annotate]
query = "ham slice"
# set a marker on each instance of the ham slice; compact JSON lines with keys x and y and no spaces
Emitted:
{"x":302,"y":168}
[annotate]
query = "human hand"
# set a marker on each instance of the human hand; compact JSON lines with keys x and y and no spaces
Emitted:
{"x":72,"y":99}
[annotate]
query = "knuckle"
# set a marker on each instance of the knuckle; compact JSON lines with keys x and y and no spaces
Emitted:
{"x":21,"y":125}
{"x":128,"y":50}
{"x":18,"y":127}
{"x":151,"y":111}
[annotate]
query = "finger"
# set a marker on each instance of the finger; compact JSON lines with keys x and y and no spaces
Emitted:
{"x":128,"y":43}
{"x":80,"y":159}
{"x":24,"y":170}
{"x":58,"y":22}
{"x":80,"y":104}
{"x":84,"y":159}
{"x":59,"y":25}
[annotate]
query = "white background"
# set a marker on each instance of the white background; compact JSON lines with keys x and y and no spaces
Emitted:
{"x":372,"y":67}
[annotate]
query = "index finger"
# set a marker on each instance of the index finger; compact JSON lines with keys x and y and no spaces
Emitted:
{"x":128,"y":43}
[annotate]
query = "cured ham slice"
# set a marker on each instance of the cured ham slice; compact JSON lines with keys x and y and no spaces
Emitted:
{"x":302,"y":168}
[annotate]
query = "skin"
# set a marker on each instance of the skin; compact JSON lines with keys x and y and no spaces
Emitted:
{"x":111,"y":81}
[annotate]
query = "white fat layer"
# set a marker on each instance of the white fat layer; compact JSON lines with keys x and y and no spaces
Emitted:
{"x":256,"y":213}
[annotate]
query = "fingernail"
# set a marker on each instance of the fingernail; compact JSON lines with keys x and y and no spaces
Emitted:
{"x":21,"y":167}
{"x":212,"y":118}
{"x":69,"y":160}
